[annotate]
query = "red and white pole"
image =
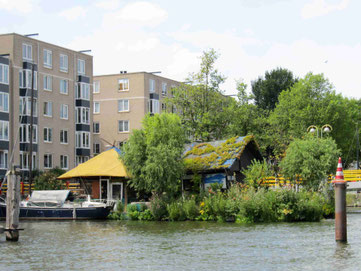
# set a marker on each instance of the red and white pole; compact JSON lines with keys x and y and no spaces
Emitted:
{"x":340,"y":204}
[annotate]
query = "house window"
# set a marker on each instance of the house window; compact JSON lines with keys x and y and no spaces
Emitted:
{"x":153,"y":106}
{"x":3,"y":159}
{"x":48,"y":135}
{"x":164,"y":107}
{"x":25,"y":106}
{"x":64,"y":162}
{"x":82,"y":115}
{"x":81,"y":159}
{"x":164,"y":89}
{"x":123,"y":84}
{"x":48,"y":58}
{"x":4,"y":130}
{"x":81,"y":66}
{"x":48,"y":82}
{"x":63,"y":63}
{"x":27,"y":52}
{"x":96,"y":148}
{"x":64,"y":136}
{"x":64,"y":86}
{"x":82,"y":140}
{"x":4,"y":102}
{"x":24,"y":133}
{"x":25,"y":79}
{"x":96,"y":127}
{"x":151,"y":85}
{"x":123,"y":126}
{"x":123,"y":105}
{"x":82,"y":91}
{"x":96,"y":108}
{"x":24,"y":160}
{"x":48,"y":109}
{"x":4,"y":74}
{"x":96,"y":88}
{"x":48,"y":160}
{"x":64,"y":111}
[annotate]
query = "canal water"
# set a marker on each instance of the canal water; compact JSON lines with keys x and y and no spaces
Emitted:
{"x":133,"y":245}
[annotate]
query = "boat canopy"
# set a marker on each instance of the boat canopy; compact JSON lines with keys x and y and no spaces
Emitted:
{"x":58,"y":196}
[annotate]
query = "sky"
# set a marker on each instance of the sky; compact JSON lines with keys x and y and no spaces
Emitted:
{"x":251,"y":36}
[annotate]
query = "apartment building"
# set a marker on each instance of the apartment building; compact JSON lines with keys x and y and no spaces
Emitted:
{"x":62,"y":104}
{"x":120,"y":103}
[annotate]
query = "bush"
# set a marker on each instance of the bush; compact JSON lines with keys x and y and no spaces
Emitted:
{"x":48,"y":180}
{"x":176,"y":211}
{"x":191,"y":208}
{"x":158,"y":207}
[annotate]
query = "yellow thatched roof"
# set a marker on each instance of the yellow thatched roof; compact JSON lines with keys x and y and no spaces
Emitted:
{"x":107,"y":163}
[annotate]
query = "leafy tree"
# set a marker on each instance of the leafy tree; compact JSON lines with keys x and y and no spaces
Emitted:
{"x":256,"y":173}
{"x":204,"y":110}
{"x":48,"y":180}
{"x":311,"y":159}
{"x":267,"y":89}
{"x":153,"y":154}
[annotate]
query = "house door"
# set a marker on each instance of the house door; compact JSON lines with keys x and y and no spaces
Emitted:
{"x":117,"y":191}
{"x":104,"y":189}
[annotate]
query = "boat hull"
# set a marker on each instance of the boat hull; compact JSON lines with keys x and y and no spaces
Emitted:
{"x":49,"y":213}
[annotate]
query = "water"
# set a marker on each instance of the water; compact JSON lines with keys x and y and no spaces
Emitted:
{"x":133,"y":245}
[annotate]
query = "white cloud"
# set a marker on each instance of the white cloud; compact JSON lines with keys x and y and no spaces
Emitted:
{"x":21,"y":6}
{"x":318,"y":8}
{"x":73,"y":13}
{"x":108,"y":5}
{"x":137,"y":14}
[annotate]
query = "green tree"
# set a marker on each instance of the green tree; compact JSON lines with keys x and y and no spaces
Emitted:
{"x":204,"y":110}
{"x":48,"y":180}
{"x":256,"y":173}
{"x":311,"y":159}
{"x":153,"y":154}
{"x":267,"y":89}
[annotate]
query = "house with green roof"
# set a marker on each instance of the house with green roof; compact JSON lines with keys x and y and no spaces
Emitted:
{"x":219,"y":161}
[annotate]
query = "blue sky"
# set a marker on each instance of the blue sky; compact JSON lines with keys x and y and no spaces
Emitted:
{"x":251,"y":36}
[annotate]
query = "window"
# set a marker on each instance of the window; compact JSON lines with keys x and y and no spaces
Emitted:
{"x":24,"y":160}
{"x":4,"y":102}
{"x":25,"y":106}
{"x":81,"y":159}
{"x":164,"y":89}
{"x":4,"y":130}
{"x":123,"y":126}
{"x":82,"y":140}
{"x":25,"y":133}
{"x":27,"y":52}
{"x":96,"y":127}
{"x":48,"y":135}
{"x":4,"y":74}
{"x":48,"y":58}
{"x":164,"y":107}
{"x":96,"y":148}
{"x":63,"y":63}
{"x":151,"y":85}
{"x":96,"y":88}
{"x":64,"y":111}
{"x":64,"y":162}
{"x":82,"y":91}
{"x":64,"y":136}
{"x":4,"y":159}
{"x":48,"y":160}
{"x":48,"y":109}
{"x":96,"y":108}
{"x":64,"y":86}
{"x":82,"y":115}
{"x":25,"y":79}
{"x":123,"y":84}
{"x":123,"y":105}
{"x":153,"y":106}
{"x":48,"y":82}
{"x":81,"y":66}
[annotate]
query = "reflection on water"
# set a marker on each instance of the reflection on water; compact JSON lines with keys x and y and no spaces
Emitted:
{"x":132,"y":245}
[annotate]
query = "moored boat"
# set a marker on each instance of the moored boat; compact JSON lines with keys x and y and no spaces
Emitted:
{"x":56,"y":205}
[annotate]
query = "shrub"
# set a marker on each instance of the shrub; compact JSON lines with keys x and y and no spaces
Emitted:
{"x":190,"y":208}
{"x":158,"y":207}
{"x":176,"y":211}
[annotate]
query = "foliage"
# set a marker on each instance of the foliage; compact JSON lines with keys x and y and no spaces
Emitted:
{"x":266,"y":90}
{"x":48,"y":180}
{"x":204,"y":110}
{"x":158,"y":207}
{"x":310,"y":159}
{"x":191,"y":208}
{"x":153,"y":154}
{"x":176,"y":211}
{"x":256,"y":173}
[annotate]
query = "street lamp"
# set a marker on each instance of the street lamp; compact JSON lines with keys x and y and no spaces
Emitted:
{"x":327,"y":128}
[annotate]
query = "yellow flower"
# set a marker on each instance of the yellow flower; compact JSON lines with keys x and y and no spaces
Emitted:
{"x":201,"y":212}
{"x":202,"y":203}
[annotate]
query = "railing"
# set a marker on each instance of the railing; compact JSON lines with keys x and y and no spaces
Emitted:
{"x":24,"y":187}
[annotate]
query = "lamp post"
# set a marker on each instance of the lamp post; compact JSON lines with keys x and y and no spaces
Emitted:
{"x":327,"y":128}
